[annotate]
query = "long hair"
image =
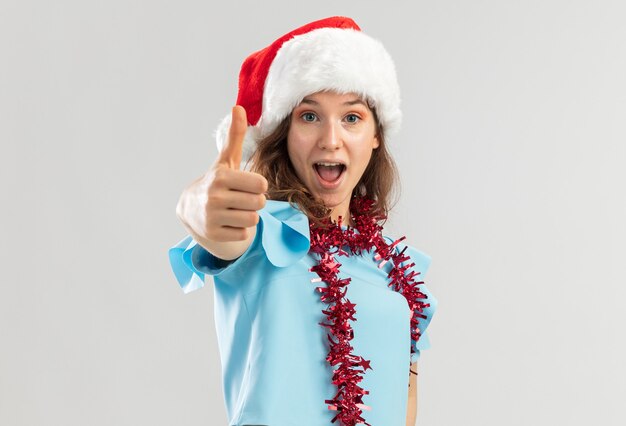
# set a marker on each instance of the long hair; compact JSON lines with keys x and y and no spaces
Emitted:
{"x":379,"y":182}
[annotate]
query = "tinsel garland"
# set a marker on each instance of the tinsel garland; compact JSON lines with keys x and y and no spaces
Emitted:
{"x":330,"y":240}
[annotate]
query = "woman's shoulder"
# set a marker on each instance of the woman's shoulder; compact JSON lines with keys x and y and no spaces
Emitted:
{"x":420,"y":262}
{"x":421,"y":259}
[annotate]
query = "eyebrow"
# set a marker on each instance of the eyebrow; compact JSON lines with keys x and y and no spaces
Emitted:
{"x":354,"y":102}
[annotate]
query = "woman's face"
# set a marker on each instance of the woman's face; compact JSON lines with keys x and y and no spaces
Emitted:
{"x":330,"y":143}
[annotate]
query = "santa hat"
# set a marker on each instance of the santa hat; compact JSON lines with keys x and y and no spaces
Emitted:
{"x":331,"y":54}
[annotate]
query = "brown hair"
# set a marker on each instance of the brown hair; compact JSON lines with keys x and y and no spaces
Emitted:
{"x":379,"y":181}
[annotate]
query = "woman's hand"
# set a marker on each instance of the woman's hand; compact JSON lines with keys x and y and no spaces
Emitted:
{"x":219,"y":208}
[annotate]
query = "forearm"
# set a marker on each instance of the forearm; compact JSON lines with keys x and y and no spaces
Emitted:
{"x":411,"y":412}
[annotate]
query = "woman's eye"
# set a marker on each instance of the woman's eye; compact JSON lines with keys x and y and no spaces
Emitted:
{"x":309,"y":116}
{"x":352,"y":118}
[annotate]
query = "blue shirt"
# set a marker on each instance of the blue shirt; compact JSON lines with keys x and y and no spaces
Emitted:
{"x":267,"y":316}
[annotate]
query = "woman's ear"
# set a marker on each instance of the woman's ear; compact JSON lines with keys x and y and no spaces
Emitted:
{"x":376,"y":141}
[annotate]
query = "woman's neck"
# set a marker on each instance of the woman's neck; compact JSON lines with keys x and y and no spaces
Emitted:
{"x":346,"y":218}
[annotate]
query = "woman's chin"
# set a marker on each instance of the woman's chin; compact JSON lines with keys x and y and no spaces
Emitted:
{"x":334,"y":201}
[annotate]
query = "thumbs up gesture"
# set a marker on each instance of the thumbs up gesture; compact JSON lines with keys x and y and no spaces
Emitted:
{"x":219,"y":208}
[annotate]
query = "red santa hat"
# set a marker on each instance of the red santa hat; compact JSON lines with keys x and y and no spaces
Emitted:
{"x":329,"y":54}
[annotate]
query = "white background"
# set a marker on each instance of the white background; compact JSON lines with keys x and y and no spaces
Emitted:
{"x":512,"y":159}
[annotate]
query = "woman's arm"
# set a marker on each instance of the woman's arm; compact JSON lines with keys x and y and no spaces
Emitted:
{"x":411,"y":412}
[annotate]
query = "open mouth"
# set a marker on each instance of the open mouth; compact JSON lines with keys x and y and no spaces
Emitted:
{"x":329,"y":172}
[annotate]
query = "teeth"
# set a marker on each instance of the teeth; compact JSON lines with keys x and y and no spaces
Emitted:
{"x":329,"y":164}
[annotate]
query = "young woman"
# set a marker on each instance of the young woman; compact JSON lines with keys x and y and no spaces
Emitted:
{"x":320,"y":317}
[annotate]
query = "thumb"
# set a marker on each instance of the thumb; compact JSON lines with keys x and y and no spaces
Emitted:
{"x":232,"y":151}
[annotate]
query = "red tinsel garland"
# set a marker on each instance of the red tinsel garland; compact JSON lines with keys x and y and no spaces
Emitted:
{"x":327,"y":242}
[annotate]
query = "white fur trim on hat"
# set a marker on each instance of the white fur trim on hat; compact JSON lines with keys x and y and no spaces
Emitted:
{"x":335,"y":59}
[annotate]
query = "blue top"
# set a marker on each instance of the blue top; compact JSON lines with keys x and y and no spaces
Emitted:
{"x":267,"y":316}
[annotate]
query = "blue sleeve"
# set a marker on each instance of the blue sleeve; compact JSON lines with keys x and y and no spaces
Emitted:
{"x":422,"y":263}
{"x":282,"y":238}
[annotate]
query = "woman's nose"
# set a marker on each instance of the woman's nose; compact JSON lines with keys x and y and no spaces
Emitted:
{"x":330,"y":137}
